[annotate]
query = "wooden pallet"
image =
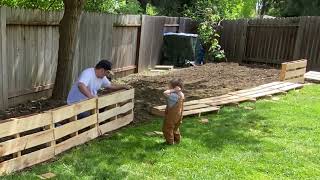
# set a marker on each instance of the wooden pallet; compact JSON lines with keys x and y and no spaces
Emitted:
{"x":115,"y":111}
{"x":69,"y":131}
{"x":233,"y":98}
{"x":30,"y":140}
{"x":312,"y":76}
{"x":293,"y":71}
{"x":25,"y":142}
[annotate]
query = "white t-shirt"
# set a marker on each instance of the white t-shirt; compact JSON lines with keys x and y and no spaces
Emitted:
{"x":89,"y":78}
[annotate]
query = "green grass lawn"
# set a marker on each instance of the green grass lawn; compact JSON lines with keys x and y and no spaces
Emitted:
{"x":278,"y":139}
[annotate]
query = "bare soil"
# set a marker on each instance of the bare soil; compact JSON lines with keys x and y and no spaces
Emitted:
{"x":199,"y":82}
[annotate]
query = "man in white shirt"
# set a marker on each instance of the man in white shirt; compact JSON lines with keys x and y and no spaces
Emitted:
{"x":90,"y":81}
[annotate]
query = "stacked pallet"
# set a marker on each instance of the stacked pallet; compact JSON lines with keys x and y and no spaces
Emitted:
{"x":312,"y":76}
{"x":212,"y":104}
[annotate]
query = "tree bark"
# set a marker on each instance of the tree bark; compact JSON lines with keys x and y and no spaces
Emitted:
{"x":68,"y":29}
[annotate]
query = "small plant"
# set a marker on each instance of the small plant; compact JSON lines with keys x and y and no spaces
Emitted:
{"x":207,"y":29}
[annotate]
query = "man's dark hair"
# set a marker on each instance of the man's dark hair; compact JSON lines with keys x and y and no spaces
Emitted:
{"x":105,"y":64}
{"x":176,"y":82}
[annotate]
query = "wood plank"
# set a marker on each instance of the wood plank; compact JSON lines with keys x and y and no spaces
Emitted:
{"x":198,"y":111}
{"x":67,"y":112}
{"x":3,"y":61}
{"x":158,"y":112}
{"x":116,"y":124}
{"x":74,"y":126}
{"x":296,"y":80}
{"x":295,"y":73}
{"x":296,"y":64}
{"x":26,"y":160}
{"x":291,"y":87}
{"x":115,"y":111}
{"x":26,"y":142}
{"x":75,"y":141}
{"x":163,"y":67}
{"x":236,"y":99}
{"x":15,"y":126}
{"x":114,"y":98}
{"x":197,"y":106}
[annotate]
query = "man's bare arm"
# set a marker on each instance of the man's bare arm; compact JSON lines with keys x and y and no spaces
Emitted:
{"x":84,"y":90}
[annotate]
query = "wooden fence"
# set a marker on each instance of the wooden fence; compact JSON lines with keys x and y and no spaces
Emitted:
{"x":272,"y":40}
{"x":29,"y":42}
{"x":27,"y":141}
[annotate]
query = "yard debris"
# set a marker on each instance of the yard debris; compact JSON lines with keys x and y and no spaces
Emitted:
{"x":204,"y":121}
{"x":248,"y":108}
{"x":154,"y":133}
{"x":47,"y":176}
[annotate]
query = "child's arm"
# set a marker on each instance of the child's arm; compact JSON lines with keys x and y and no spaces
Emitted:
{"x":168,"y":92}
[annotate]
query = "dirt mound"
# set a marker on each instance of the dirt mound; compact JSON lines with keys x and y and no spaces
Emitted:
{"x":199,"y":82}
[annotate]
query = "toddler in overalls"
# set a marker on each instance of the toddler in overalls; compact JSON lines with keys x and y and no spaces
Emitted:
{"x":173,"y":113}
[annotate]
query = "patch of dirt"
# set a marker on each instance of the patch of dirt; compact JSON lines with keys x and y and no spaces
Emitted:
{"x":199,"y":82}
{"x":30,"y":107}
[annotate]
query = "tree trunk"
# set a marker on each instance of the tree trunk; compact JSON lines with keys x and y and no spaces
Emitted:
{"x":68,"y":30}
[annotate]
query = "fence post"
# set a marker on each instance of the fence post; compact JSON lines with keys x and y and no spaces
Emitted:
{"x":3,"y":61}
{"x":299,"y":39}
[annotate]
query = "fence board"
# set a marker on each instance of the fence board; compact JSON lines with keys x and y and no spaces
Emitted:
{"x":3,"y":61}
{"x":150,"y":42}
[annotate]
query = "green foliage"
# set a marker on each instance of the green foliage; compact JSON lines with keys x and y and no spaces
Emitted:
{"x":275,"y":140}
{"x":208,"y":23}
{"x":106,"y":6}
{"x":34,"y":4}
{"x":151,"y":10}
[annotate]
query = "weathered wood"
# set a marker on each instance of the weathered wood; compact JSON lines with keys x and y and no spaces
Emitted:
{"x":116,"y":124}
{"x":32,"y":17}
{"x":115,"y":111}
{"x":296,"y":73}
{"x":312,"y":75}
{"x":74,"y":126}
{"x":115,"y":98}
{"x":15,"y":126}
{"x":76,"y":140}
{"x":293,"y":65}
{"x":66,"y":112}
{"x":199,"y":111}
{"x":3,"y":61}
{"x":25,"y":142}
{"x":26,"y":160}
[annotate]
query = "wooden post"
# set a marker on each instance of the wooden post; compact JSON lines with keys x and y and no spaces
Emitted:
{"x":3,"y":61}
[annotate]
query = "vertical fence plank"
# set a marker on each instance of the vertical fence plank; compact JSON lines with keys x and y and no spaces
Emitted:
{"x":3,"y":61}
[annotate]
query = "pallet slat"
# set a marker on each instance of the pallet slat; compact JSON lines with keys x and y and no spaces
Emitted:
{"x":199,"y":111}
{"x":116,"y":124}
{"x":73,"y":110}
{"x":296,"y":64}
{"x":15,"y":126}
{"x":115,"y":98}
{"x":25,"y":142}
{"x":26,"y":160}
{"x":115,"y":111}
{"x":75,"y":141}
{"x":74,"y":126}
